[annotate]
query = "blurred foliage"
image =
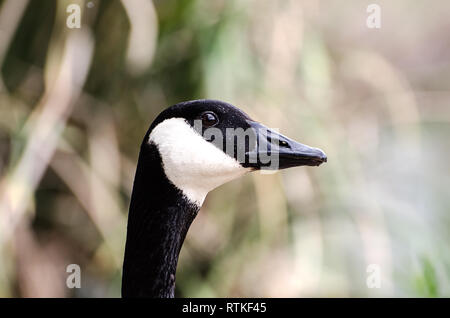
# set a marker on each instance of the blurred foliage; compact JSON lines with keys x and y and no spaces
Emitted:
{"x":75,"y":104}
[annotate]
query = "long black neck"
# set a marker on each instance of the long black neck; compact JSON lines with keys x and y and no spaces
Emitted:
{"x":158,"y":221}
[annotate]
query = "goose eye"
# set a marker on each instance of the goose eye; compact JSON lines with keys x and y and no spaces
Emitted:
{"x":209,"y":119}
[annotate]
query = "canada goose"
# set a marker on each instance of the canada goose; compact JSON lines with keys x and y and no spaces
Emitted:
{"x":190,"y":149}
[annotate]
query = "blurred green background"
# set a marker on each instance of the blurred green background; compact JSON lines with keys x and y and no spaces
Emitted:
{"x":76,"y":103}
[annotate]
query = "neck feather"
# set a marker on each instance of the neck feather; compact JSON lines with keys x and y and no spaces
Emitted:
{"x":158,"y":221}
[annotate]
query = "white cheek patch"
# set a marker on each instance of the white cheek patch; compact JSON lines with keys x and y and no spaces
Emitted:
{"x":192,"y":164}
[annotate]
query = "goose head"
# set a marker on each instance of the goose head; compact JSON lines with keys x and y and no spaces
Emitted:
{"x":206,"y":143}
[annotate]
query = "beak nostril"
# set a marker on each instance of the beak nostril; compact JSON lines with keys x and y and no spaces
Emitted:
{"x":279,"y":143}
{"x":283,"y":143}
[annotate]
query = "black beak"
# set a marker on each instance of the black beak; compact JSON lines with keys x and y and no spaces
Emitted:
{"x":275,"y":151}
